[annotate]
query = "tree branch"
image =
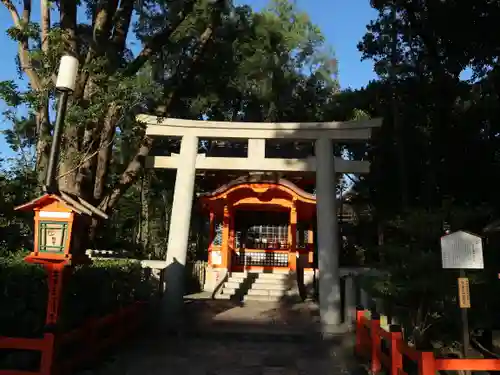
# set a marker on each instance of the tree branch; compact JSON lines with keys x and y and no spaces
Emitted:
{"x":67,"y":11}
{"x":13,"y":12}
{"x":105,"y":150}
{"x":129,"y":176}
{"x":138,"y":162}
{"x":26,"y":11}
{"x":23,"y":51}
{"x":158,"y":40}
{"x":189,"y":72}
{"x":122,"y":26}
{"x":134,"y":168}
{"x":103,"y":22}
{"x":101,"y":31}
{"x":45,"y":24}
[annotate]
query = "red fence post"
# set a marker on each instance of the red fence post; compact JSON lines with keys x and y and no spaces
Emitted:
{"x":358,"y":349}
{"x":396,"y":356}
{"x":47,"y":354}
{"x":376,"y":366}
{"x":426,"y":363}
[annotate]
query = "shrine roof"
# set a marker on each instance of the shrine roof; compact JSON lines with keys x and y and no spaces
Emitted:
{"x":77,"y":204}
{"x":258,"y":179}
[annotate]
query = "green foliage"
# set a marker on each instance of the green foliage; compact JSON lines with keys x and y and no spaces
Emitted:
{"x":89,"y":291}
{"x":410,"y":279}
{"x":102,"y":288}
{"x":221,"y":61}
{"x":432,"y":160}
{"x":18,"y":185}
{"x":23,"y":297}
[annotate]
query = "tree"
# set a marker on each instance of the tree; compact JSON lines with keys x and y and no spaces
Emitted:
{"x":17,"y":184}
{"x":448,"y":129}
{"x":420,"y":61}
{"x":199,"y":59}
{"x":111,"y":82}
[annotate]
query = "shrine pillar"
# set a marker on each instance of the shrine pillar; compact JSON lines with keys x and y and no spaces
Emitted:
{"x":328,"y":244}
{"x":226,"y":237}
{"x":310,"y":246}
{"x":179,"y":226}
{"x":213,"y":272}
{"x":232,"y":239}
{"x":292,"y":238}
{"x":309,"y":271}
{"x":211,"y":229}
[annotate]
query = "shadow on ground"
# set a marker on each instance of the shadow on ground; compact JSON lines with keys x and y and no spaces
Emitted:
{"x":230,"y":337}
{"x":222,"y":346}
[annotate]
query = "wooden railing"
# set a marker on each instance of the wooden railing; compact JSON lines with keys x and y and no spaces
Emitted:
{"x":43,"y":345}
{"x":88,"y":342}
{"x":371,"y":339}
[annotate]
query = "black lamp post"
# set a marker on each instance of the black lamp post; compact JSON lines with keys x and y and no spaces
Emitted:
{"x":65,"y":85}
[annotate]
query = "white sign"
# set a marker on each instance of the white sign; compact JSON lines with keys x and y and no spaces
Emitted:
{"x":55,"y":215}
{"x":462,"y":250}
{"x":216,"y":258}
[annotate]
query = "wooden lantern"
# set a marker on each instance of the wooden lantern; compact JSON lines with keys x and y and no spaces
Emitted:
{"x":55,"y":218}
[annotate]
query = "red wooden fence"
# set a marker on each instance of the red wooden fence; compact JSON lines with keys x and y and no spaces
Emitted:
{"x":369,"y":338}
{"x":90,"y":340}
{"x":45,"y":345}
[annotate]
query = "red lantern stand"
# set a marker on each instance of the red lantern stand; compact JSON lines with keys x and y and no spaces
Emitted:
{"x":55,"y":215}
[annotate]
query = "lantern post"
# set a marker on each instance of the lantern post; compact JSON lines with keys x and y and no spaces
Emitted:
{"x":65,"y":85}
{"x":56,"y":212}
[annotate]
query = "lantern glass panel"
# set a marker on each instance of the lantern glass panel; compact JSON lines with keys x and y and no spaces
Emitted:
{"x":52,"y":237}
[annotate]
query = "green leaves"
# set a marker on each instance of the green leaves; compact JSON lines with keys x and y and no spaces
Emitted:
{"x":89,"y":291}
{"x":27,"y":32}
{"x":102,"y":288}
{"x":24,"y":291}
{"x":9,"y":93}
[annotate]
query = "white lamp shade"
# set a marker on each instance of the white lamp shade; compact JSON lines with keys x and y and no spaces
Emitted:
{"x":68,"y":70}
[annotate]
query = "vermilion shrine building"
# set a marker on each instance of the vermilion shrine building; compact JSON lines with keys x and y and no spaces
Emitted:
{"x":260,"y":225}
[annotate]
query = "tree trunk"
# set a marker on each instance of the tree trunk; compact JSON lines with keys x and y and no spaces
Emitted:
{"x":167,"y":204}
{"x":80,"y":238}
{"x":397,"y":124}
{"x":380,"y":233}
{"x":42,"y":145}
{"x":144,"y":223}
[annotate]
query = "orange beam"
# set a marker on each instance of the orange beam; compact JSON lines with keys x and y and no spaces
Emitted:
{"x":211,"y":234}
{"x":225,"y":239}
{"x":292,"y":238}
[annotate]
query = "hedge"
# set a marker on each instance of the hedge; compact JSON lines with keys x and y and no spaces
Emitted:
{"x":88,"y":291}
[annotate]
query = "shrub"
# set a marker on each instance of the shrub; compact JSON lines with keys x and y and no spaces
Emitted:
{"x":88,"y":291}
{"x":101,"y":288}
{"x":23,"y":300}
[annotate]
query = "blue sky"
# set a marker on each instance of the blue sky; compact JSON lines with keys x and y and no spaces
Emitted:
{"x":342,"y":22}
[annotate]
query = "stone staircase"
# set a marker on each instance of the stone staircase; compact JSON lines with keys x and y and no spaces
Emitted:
{"x":258,"y":286}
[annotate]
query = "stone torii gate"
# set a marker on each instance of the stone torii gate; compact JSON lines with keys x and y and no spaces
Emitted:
{"x":324,"y":164}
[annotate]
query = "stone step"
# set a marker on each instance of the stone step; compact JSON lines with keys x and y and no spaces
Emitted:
{"x":255,"y":292}
{"x":281,"y":283}
{"x":275,"y":270}
{"x":261,"y":298}
{"x":260,"y":279}
{"x":232,"y":284}
{"x":251,"y":297}
{"x":222,"y":296}
{"x":262,"y":275}
{"x":262,"y":285}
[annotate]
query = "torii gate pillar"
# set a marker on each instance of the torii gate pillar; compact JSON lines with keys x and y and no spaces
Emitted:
{"x":180,"y":221}
{"x":328,"y":236}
